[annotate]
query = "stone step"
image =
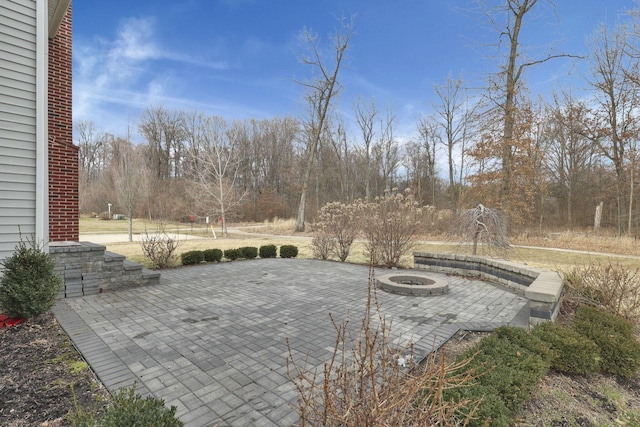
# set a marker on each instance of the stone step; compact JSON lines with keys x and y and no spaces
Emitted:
{"x":88,"y":269}
{"x":150,"y":277}
{"x":130,"y":266}
{"x":113,"y":257}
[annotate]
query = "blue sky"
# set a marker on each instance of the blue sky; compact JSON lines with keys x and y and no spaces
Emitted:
{"x":238,"y":58}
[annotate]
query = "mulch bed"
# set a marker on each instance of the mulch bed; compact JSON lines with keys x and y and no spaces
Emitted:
{"x":42,"y":377}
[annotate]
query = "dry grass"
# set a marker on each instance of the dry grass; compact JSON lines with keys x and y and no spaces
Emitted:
{"x":90,"y":225}
{"x":275,"y":226}
{"x":281,"y":231}
{"x":585,"y":241}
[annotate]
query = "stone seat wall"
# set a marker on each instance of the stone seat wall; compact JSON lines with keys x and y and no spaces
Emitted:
{"x":542,"y":288}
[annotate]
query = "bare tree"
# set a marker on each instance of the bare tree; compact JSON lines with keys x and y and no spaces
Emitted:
{"x":424,"y":148}
{"x":320,"y":94}
{"x":216,"y":167}
{"x":454,"y":116}
{"x":164,"y":132}
{"x":570,"y":157}
{"x":334,"y":161}
{"x":93,"y":158}
{"x":387,"y":152}
{"x":91,"y":149}
{"x":129,"y":175}
{"x":614,"y":125}
{"x":366,"y":117}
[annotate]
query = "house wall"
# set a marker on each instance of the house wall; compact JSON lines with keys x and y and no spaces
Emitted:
{"x":63,"y":154}
{"x":18,"y":124}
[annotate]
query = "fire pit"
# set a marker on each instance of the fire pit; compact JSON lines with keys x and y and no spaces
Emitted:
{"x":417,"y":284}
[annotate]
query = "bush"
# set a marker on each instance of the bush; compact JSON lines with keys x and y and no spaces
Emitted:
{"x":619,"y":349}
{"x":212,"y":255}
{"x":510,"y":365}
{"x":160,"y":249}
{"x":232,"y":254}
{"x":192,"y":257}
{"x":572,"y":353}
{"x":524,"y":339}
{"x":29,"y":285}
{"x":336,"y":230}
{"x":516,"y":370}
{"x":389,"y":226}
{"x":268,"y":251}
{"x":611,"y":286}
{"x":321,"y":244}
{"x":288,"y":251}
{"x":491,"y":407}
{"x":249,"y":252}
{"x":130,"y":409}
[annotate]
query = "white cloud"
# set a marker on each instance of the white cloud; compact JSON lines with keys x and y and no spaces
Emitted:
{"x":120,"y":74}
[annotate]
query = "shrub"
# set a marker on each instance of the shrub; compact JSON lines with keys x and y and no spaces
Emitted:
{"x":524,"y":339}
{"x":516,"y":370}
{"x":572,"y":353}
{"x":288,"y":251}
{"x":612,"y":286}
{"x":619,"y":349}
{"x":321,"y":244}
{"x":29,"y":284}
{"x":192,"y":257}
{"x":249,"y":252}
{"x":491,"y":407}
{"x":336,"y":230}
{"x":508,"y":371}
{"x":232,"y":254}
{"x":130,"y":409}
{"x":268,"y":251}
{"x":212,"y":255}
{"x":160,"y":249}
{"x":389,"y":226}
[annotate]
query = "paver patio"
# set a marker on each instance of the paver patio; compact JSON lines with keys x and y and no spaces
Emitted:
{"x":212,"y":339}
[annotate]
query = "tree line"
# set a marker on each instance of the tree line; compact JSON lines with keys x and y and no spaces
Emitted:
{"x":545,"y":163}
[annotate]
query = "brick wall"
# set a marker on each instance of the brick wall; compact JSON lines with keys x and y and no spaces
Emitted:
{"x":63,"y":155}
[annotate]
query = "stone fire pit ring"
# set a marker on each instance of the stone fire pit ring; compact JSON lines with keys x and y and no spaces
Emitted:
{"x":409,"y":283}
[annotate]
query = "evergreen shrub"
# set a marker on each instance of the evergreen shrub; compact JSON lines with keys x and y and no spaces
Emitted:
{"x":248,"y":252}
{"x":572,"y":353}
{"x":29,"y":284}
{"x":232,"y":254}
{"x":510,"y":364}
{"x":268,"y":251}
{"x":288,"y":251}
{"x":130,"y":409}
{"x":619,"y":349}
{"x":212,"y":255}
{"x":192,"y":257}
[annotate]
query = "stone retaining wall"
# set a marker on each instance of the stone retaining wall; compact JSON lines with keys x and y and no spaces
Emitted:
{"x":542,"y":288}
{"x":88,"y":269}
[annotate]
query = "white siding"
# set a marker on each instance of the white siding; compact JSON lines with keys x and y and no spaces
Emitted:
{"x":18,"y":113}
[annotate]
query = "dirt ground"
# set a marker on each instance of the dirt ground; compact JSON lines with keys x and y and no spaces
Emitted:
{"x":43,"y":378}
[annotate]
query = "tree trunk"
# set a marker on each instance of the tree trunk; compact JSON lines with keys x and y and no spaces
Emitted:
{"x":319,"y":98}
